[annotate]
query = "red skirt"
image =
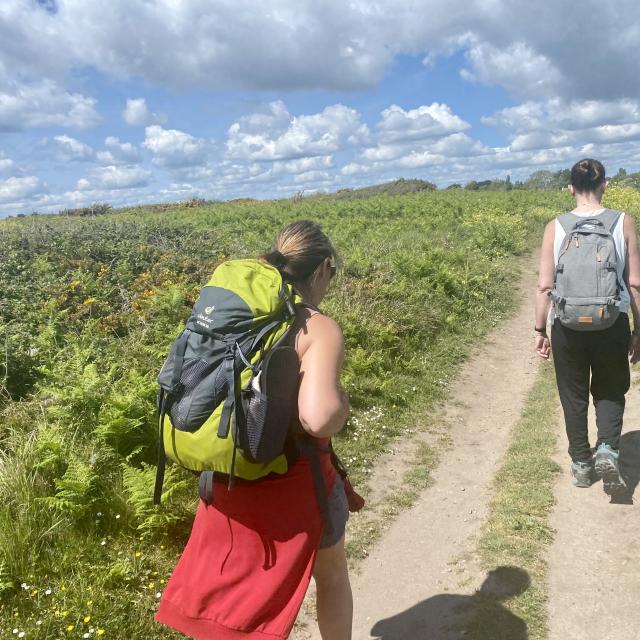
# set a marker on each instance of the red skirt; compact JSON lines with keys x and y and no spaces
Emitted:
{"x":248,"y":563}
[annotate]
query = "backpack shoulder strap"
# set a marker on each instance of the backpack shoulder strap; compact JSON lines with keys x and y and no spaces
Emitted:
{"x":610,"y":219}
{"x":568,"y":221}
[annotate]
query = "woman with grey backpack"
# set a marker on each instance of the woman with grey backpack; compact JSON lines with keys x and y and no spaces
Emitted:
{"x":589,"y":279}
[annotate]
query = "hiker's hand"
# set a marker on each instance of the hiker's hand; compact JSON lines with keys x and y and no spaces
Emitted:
{"x":543,"y":346}
{"x":634,"y":348}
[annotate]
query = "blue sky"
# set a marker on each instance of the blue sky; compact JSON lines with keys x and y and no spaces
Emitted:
{"x":137,"y":101}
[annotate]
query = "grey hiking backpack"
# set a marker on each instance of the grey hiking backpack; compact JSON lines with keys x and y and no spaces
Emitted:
{"x":586,"y":296}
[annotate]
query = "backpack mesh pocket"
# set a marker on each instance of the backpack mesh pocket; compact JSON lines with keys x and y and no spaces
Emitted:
{"x":269,"y":409}
{"x":193,"y":382}
{"x":267,"y":426}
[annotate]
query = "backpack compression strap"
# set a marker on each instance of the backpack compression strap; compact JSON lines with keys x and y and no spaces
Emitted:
{"x":162,"y":455}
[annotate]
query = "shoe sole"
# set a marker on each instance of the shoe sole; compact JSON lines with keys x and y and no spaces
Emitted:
{"x":610,"y":474}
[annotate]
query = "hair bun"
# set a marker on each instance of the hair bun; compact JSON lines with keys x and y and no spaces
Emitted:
{"x":587,"y":175}
{"x":277,"y":259}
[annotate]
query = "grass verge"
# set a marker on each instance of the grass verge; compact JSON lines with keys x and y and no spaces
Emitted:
{"x":517,"y":533}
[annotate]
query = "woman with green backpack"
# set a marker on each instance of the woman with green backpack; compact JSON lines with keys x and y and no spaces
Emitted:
{"x":254,"y":547}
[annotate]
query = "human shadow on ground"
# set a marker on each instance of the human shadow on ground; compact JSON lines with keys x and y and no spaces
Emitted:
{"x":455,"y":616}
{"x":629,"y":466}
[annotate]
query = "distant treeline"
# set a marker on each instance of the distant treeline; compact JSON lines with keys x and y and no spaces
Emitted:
{"x":538,"y":181}
{"x":545,"y":181}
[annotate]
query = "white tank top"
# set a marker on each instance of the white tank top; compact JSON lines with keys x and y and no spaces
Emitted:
{"x":621,"y":248}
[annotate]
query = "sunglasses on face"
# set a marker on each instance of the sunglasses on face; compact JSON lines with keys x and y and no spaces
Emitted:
{"x":333,"y":269}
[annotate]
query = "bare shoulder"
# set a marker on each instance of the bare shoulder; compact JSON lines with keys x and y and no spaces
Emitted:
{"x":321,"y":330}
{"x":550,"y":228}
{"x":549,"y":234}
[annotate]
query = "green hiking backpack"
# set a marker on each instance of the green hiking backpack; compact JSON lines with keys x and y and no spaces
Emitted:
{"x":217,"y":414}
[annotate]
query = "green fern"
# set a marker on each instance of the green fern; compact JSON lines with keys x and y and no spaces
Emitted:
{"x":76,"y":491}
{"x":175,"y":507}
{"x":126,"y":420}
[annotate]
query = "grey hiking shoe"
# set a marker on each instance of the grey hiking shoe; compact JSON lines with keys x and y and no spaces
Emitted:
{"x":607,"y":468}
{"x":582,"y":474}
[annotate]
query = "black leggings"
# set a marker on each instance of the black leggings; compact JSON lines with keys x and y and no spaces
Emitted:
{"x":604,"y":355}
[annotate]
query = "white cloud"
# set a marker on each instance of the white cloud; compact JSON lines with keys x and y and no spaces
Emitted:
{"x":428,"y":121}
{"x":44,"y":104}
{"x":118,"y":152}
{"x":517,"y":68}
{"x":54,"y":202}
{"x":355,"y":168}
{"x":116,"y":177}
{"x":70,"y":149}
{"x":277,"y":135}
{"x":173,"y":148}
{"x":559,"y":113}
{"x":15,"y":189}
{"x":137,"y":114}
{"x":6,"y":164}
{"x":558,"y":123}
{"x":416,"y":155}
{"x":335,"y":45}
{"x":312,"y":177}
{"x":302,"y":165}
{"x":532,"y":49}
{"x":424,"y":136}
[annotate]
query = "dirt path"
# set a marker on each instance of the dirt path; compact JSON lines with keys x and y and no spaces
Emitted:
{"x":594,"y":562}
{"x":425,"y":564}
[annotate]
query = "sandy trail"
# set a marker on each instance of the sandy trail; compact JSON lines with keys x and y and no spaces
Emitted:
{"x":426,"y":564}
{"x":594,"y":562}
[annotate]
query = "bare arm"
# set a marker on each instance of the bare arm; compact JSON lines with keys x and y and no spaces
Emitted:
{"x":323,"y":406}
{"x":632,"y":280}
{"x":546,"y":277}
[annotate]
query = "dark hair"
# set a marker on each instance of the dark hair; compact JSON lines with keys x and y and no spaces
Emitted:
{"x":299,"y":249}
{"x":587,"y":175}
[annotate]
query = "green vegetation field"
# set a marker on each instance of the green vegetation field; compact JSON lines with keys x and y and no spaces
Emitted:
{"x":88,"y":307}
